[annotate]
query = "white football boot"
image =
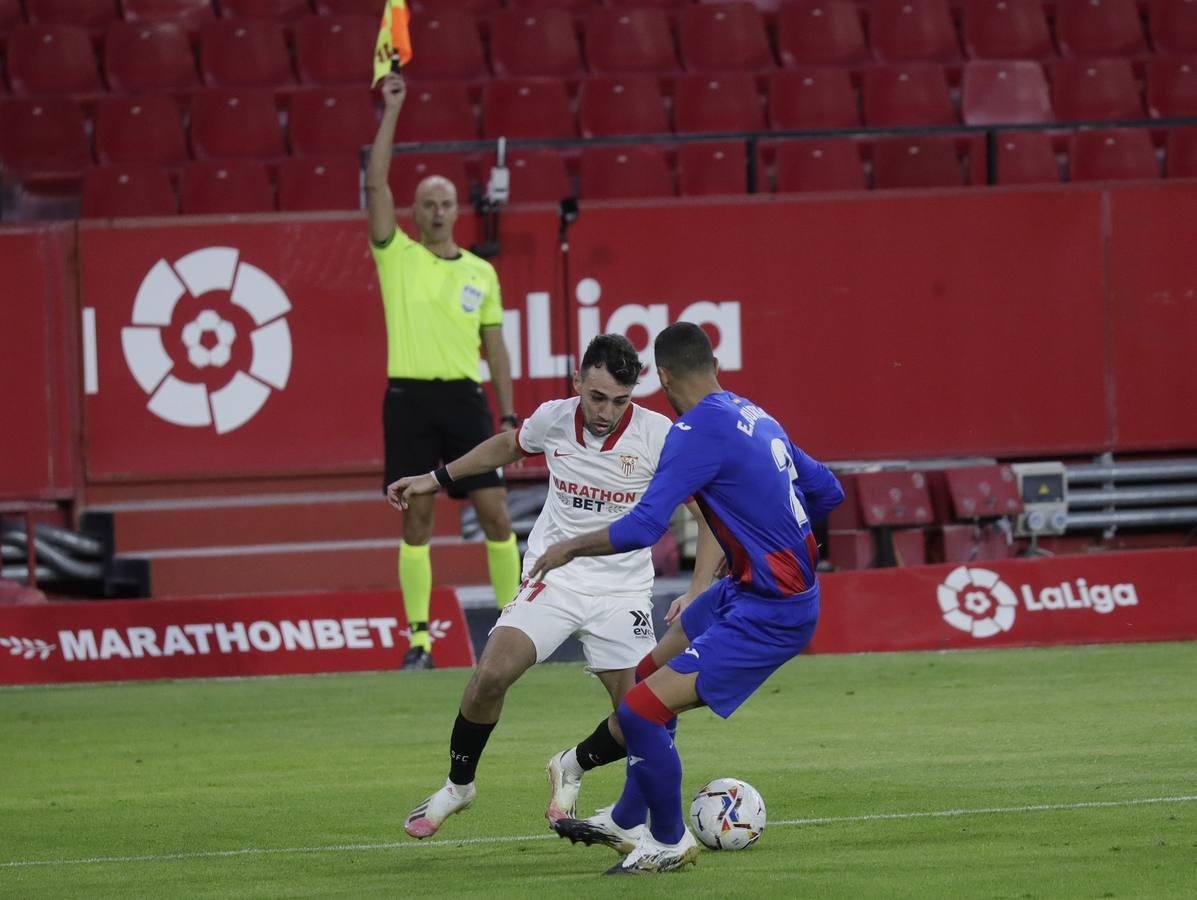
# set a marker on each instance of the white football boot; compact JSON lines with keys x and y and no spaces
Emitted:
{"x":600,"y":829}
{"x":565,"y":779}
{"x":425,"y":819}
{"x":650,"y":856}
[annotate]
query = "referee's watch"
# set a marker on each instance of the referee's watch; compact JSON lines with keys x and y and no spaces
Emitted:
{"x":513,"y":420}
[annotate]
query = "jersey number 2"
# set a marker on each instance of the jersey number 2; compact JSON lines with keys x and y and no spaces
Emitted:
{"x":781,"y":456}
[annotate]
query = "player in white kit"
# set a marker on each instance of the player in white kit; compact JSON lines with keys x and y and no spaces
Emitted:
{"x":601,"y":450}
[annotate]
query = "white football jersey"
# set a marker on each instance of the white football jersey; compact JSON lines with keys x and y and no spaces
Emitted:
{"x":592,"y":482}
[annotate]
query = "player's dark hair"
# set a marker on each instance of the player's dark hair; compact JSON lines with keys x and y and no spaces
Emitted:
{"x":615,"y":353}
{"x":684,"y":349}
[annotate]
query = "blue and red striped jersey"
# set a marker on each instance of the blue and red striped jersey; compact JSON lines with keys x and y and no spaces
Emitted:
{"x":756,"y":489}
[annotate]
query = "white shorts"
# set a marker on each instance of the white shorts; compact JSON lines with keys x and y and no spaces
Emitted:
{"x":616,"y":630}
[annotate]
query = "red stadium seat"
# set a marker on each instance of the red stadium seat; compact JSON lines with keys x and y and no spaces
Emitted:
{"x":1182,"y":153}
{"x":449,"y":46}
{"x":718,"y":167}
{"x":437,"y":111}
{"x":904,"y":30}
{"x":232,"y":124}
{"x":629,"y":40}
{"x":812,"y":99}
{"x":126,"y":192}
{"x":997,"y":93}
{"x":1173,"y":27}
{"x":10,"y":17}
{"x":723,"y":36}
{"x":1115,"y":154}
{"x":335,"y":49}
{"x":527,"y":43}
{"x":1026,"y":157}
{"x":1172,"y":88}
{"x":1100,"y":90}
{"x":819,"y":165}
{"x":143,"y":130}
{"x":350,"y":8}
{"x":1099,"y":28}
{"x":409,"y":169}
{"x":238,"y":186}
{"x":286,"y":11}
{"x":51,"y":59}
{"x":662,"y":4}
{"x":574,"y":6}
{"x":624,"y":173}
{"x":43,"y":139}
{"x":93,"y":15}
{"x":609,"y":106}
{"x":537,"y":175}
{"x":331,"y":121}
{"x":148,"y":56}
{"x":916,"y":162}
{"x":820,"y":33}
{"x":244,"y":53}
{"x":911,"y":94}
{"x":188,"y":14}
{"x":430,"y":7}
{"x":526,"y":108}
{"x":311,"y":184}
{"x":1007,"y":29}
{"x":724,"y":102}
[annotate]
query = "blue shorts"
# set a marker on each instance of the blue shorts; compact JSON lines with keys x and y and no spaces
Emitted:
{"x":737,"y":640}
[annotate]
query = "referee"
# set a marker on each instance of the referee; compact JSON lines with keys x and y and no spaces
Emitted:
{"x":440,"y":303}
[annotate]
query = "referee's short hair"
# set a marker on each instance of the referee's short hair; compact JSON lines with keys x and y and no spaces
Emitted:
{"x":684,"y":349}
{"x":615,"y":353}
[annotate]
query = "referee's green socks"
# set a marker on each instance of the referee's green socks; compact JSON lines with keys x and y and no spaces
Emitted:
{"x":415,"y":580}
{"x":503,"y":557}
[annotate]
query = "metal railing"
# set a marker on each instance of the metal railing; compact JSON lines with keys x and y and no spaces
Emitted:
{"x":1119,"y":496}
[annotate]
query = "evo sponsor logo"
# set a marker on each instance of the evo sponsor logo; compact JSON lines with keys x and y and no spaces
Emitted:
{"x":206,"y":639}
{"x":978,"y":602}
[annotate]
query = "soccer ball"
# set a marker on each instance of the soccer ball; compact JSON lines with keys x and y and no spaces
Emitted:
{"x":728,"y":814}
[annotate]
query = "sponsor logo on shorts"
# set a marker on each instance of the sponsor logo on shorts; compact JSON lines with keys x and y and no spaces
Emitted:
{"x":642,"y":623}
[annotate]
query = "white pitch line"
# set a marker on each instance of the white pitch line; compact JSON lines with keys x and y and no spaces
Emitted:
{"x":518,"y":838}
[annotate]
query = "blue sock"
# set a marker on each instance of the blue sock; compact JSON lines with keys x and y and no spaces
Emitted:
{"x":631,"y":809}
{"x":653,"y":763}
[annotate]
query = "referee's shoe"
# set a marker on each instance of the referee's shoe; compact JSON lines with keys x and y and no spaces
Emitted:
{"x":417,"y":658}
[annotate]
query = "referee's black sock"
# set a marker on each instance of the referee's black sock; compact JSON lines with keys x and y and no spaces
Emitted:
{"x":465,"y":748}
{"x":600,"y":748}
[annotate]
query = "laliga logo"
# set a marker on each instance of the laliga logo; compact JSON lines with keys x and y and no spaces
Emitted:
{"x":210,"y":339}
{"x":977,"y":601}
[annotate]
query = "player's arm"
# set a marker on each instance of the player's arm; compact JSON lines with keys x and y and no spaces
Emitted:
{"x":820,"y":488}
{"x":494,"y":452}
{"x":708,"y":561}
{"x":500,"y":371}
{"x":687,"y":464}
{"x":380,"y":205}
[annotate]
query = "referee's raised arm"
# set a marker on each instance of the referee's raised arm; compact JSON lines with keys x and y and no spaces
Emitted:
{"x":380,"y":205}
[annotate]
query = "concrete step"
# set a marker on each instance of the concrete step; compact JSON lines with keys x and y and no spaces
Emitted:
{"x":288,"y":568}
{"x":216,"y":521}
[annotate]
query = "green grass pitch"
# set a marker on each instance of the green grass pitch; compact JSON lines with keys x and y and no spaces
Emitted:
{"x":297,"y":787}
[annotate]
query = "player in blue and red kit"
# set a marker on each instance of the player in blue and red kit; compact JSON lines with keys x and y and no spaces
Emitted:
{"x":758,"y":493}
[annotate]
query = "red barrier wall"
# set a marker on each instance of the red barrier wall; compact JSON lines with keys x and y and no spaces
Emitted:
{"x":1038,"y":322}
{"x":37,"y":360}
{"x":272,"y":635}
{"x":1089,"y":599}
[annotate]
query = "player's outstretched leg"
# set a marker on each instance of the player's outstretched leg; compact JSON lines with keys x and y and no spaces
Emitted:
{"x":427,"y":817}
{"x":651,"y":856}
{"x":600,"y":829}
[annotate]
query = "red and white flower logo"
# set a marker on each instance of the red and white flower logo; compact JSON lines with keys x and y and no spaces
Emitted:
{"x":977,"y":601}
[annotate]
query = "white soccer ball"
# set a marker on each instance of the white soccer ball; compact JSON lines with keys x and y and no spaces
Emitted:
{"x":728,"y":814}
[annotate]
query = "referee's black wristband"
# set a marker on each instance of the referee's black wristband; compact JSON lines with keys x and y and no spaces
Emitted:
{"x":513,"y":420}
{"x":442,"y":476}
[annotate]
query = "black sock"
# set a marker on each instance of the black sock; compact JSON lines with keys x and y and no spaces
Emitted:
{"x":465,"y":748}
{"x":600,"y":748}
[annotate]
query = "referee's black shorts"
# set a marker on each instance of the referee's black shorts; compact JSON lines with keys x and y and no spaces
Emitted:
{"x":426,"y":424}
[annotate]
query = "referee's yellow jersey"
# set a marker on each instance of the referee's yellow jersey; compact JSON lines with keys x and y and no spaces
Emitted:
{"x":434,"y":309}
